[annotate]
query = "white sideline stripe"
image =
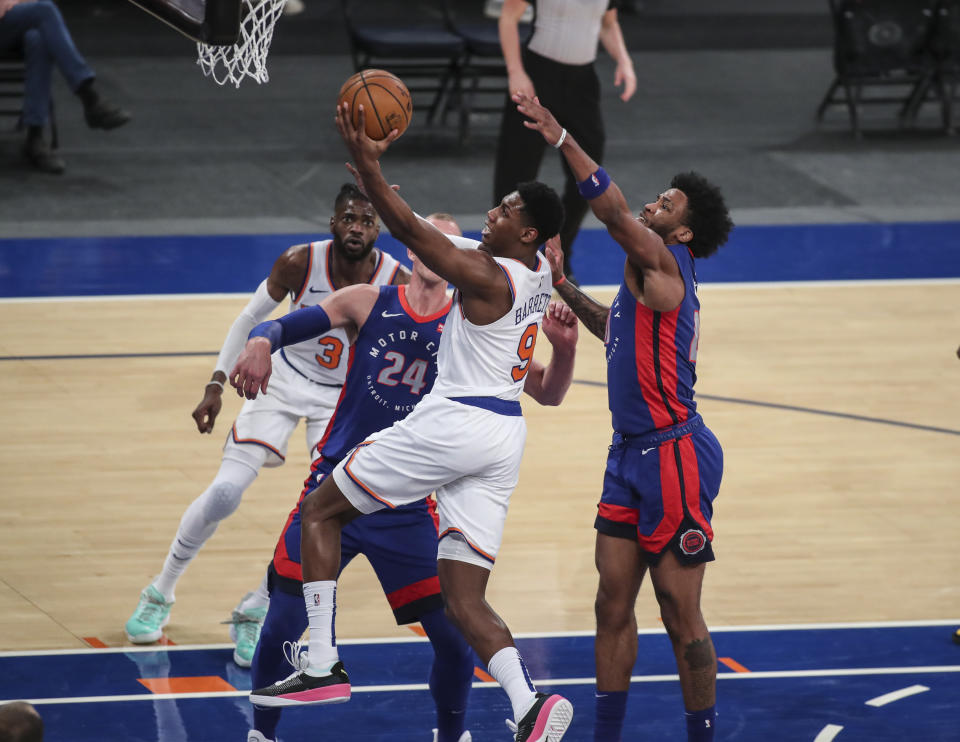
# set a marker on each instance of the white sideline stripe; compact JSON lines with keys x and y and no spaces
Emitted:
{"x":538,"y":682}
{"x":896,"y":695}
{"x":828,"y":733}
{"x":517,"y":635}
{"x":600,"y":287}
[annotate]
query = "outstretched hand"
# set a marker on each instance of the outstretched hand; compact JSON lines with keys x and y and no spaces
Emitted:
{"x":362,"y":148}
{"x":554,"y":253}
{"x":251,"y":373}
{"x":560,"y":326}
{"x":540,"y":118}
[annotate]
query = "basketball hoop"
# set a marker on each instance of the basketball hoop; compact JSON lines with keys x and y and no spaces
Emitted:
{"x":248,"y":57}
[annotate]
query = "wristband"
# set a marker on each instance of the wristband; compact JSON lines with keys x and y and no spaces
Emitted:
{"x":299,"y":325}
{"x":559,"y":281}
{"x":213,"y":382}
{"x":595,"y":185}
{"x":563,"y":136}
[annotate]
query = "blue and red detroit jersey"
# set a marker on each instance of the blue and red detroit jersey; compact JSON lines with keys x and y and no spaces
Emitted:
{"x":664,"y":467}
{"x":392,"y":365}
{"x":652,"y":357}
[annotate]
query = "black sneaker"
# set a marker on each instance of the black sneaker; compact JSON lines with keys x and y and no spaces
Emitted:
{"x":103,"y":115}
{"x":38,"y":153}
{"x":546,"y":721}
{"x":301,"y":689}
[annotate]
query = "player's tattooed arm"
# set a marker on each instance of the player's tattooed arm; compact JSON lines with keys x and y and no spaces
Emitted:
{"x":592,"y":313}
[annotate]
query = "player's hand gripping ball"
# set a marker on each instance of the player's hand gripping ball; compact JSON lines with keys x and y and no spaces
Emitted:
{"x":385,"y":99}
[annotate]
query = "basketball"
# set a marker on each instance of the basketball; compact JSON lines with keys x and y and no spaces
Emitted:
{"x":385,"y":100}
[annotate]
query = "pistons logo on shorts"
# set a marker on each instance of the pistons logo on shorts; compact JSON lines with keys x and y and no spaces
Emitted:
{"x":692,"y":541}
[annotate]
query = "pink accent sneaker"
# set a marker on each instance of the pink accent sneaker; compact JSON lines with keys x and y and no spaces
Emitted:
{"x":546,"y":721}
{"x":301,"y":689}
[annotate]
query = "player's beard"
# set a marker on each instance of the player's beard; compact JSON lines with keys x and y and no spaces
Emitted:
{"x":352,"y":253}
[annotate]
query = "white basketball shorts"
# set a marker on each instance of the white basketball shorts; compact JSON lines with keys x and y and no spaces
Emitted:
{"x":468,"y":455}
{"x":268,"y":421}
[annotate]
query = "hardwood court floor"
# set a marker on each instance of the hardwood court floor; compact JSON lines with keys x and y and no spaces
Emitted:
{"x":836,"y":405}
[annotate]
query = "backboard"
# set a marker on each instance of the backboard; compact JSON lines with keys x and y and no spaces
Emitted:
{"x":215,"y":22}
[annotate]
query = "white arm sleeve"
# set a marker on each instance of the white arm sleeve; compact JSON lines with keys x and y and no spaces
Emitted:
{"x":259,"y":308}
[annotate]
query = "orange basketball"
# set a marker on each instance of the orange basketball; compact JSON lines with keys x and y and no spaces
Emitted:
{"x":385,"y":100}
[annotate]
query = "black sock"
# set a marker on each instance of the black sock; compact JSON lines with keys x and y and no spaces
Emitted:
{"x":87,"y":93}
{"x":34,"y":133}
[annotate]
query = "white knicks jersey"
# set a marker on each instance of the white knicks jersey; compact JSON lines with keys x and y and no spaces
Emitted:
{"x":493,"y":360}
{"x":324,"y":359}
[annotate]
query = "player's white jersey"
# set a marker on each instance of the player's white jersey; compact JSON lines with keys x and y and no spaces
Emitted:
{"x":493,"y":360}
{"x":324,"y":359}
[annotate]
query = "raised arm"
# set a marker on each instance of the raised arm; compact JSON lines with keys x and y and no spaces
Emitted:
{"x":347,"y":308}
{"x":549,"y":384}
{"x":474,"y":272}
{"x":644,"y":247}
{"x":286,"y":275}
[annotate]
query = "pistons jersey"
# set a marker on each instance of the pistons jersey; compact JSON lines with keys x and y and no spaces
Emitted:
{"x":652,"y":357}
{"x":324,"y":360}
{"x":392,"y":365}
{"x":492,"y":360}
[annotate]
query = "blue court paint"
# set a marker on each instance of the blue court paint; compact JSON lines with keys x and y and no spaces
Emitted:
{"x":93,"y":266}
{"x":751,"y":707}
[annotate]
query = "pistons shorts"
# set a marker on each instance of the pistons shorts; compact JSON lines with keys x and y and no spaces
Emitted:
{"x":659,"y":489}
{"x":400,"y":544}
{"x":269,"y":420}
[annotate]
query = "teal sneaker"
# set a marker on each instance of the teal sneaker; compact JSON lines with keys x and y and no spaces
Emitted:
{"x":245,"y":626}
{"x":146,"y":624}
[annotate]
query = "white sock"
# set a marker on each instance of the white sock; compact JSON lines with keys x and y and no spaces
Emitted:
{"x":320,"y":598}
{"x":201,"y":519}
{"x":507,"y":668}
{"x":259,"y":598}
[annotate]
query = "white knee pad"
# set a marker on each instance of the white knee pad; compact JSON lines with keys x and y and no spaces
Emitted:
{"x":223,"y":495}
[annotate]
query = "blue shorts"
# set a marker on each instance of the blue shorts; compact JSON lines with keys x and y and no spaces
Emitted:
{"x":400,"y":544}
{"x":659,"y":489}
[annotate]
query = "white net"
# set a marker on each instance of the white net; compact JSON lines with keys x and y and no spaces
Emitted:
{"x":248,"y":57}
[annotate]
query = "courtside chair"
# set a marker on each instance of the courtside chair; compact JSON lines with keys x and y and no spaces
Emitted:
{"x":410,"y":40}
{"x":13,"y":76}
{"x":945,"y":45}
{"x":483,"y":71}
{"x":881,"y":55}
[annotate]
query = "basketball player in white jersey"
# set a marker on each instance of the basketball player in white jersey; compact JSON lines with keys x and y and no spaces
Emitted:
{"x":306,"y":384}
{"x":464,"y":440}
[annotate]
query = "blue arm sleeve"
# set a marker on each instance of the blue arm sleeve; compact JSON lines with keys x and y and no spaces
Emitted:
{"x":295,"y":327}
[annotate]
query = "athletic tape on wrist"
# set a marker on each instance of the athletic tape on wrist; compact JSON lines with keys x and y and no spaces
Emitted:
{"x":595,"y":185}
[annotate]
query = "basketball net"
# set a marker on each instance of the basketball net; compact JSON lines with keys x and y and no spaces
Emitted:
{"x":248,"y":57}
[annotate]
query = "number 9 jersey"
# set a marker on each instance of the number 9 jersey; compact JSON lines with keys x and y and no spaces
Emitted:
{"x":492,"y":360}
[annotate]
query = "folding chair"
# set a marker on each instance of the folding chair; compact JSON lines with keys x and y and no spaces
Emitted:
{"x":13,"y":77}
{"x":945,"y":45}
{"x":879,"y":44}
{"x":422,"y":52}
{"x":483,"y":71}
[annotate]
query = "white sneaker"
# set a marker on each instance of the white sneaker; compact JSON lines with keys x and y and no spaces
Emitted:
{"x":293,"y":7}
{"x":465,"y":737}
{"x":255,"y":736}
